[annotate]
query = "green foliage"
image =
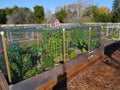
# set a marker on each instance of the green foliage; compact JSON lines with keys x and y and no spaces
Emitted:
{"x":116,"y":16}
{"x":15,"y":8}
{"x":112,"y":36}
{"x":21,"y":16}
{"x":8,"y":11}
{"x":104,"y":18}
{"x":79,"y":39}
{"x":72,"y":54}
{"x":116,"y":5}
{"x":16,"y":15}
{"x":15,"y":60}
{"x":52,"y":43}
{"x":39,"y":13}
{"x":99,"y":16}
{"x":22,"y":61}
{"x":95,"y":12}
{"x":48,"y":61}
{"x":116,"y":11}
{"x":34,"y":58}
{"x":84,"y":50}
{"x":32,"y":72}
{"x":3,"y":16}
{"x":94,"y":43}
{"x":61,"y":15}
{"x":27,"y":63}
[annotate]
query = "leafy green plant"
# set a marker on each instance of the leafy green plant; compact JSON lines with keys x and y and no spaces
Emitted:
{"x":52,"y":43}
{"x":31,"y":73}
{"x":22,"y":61}
{"x":83,"y":50}
{"x":31,"y":59}
{"x":79,"y":39}
{"x":112,"y":37}
{"x":27,"y":63}
{"x":15,"y":60}
{"x":48,"y":61}
{"x":73,"y":54}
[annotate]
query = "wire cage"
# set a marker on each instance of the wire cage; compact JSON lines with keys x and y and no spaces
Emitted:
{"x":34,"y":50}
{"x":112,"y":32}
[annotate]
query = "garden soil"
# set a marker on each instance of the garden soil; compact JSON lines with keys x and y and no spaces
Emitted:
{"x":103,"y":75}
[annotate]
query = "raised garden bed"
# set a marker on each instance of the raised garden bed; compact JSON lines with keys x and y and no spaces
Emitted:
{"x":98,"y":70}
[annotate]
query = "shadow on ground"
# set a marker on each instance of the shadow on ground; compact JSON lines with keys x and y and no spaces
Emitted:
{"x":61,"y":80}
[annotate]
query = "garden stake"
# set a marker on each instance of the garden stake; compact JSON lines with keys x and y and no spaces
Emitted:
{"x":6,"y":57}
{"x":101,"y":35}
{"x":89,"y":39}
{"x":37,"y":38}
{"x":119,"y":34}
{"x":63,"y":45}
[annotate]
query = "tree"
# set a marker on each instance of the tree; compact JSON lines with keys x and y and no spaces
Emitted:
{"x":15,"y":8}
{"x":95,"y":12}
{"x":75,"y":11}
{"x":88,"y":15}
{"x":61,"y":15}
{"x":3,"y":18}
{"x":116,"y":11}
{"x":116,"y":16}
{"x":72,"y":13}
{"x":48,"y":16}
{"x":21,"y":16}
{"x":39,"y":13}
{"x":116,"y":5}
{"x":8,"y":11}
{"x":104,"y":14}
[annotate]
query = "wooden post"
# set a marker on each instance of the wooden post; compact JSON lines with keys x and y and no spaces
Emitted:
{"x":10,"y":37}
{"x":6,"y":57}
{"x":63,"y":44}
{"x":101,"y":35}
{"x":107,"y":32}
{"x":89,"y":40}
{"x":26,"y":35}
{"x":3,"y":82}
{"x":38,"y":38}
{"x":119,"y":34}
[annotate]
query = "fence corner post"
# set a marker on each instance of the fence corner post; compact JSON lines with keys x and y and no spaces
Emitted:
{"x":6,"y":56}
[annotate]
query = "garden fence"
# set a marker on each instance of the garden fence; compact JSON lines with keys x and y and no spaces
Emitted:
{"x":34,"y":50}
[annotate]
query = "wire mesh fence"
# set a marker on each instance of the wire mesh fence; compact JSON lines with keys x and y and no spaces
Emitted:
{"x":112,"y":33}
{"x":33,"y":51}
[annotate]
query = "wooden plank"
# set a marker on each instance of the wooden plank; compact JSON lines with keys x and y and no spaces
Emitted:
{"x":52,"y":83}
{"x":3,"y":82}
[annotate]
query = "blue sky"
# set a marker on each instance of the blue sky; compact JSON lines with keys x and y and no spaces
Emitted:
{"x":49,"y":4}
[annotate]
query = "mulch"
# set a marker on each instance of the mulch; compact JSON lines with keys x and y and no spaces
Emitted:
{"x":103,"y":75}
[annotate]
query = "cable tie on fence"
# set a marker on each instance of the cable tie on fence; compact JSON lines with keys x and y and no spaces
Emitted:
{"x":91,"y":52}
{"x":90,"y":56}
